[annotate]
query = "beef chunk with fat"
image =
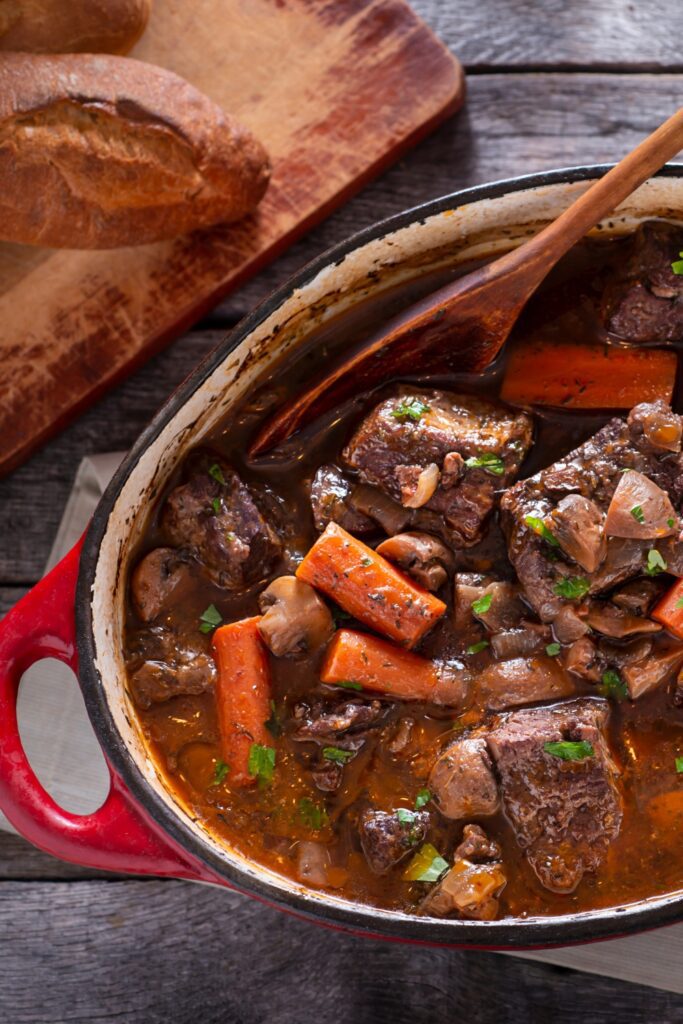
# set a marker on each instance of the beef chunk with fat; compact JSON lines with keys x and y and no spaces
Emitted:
{"x":386,"y":838}
{"x":214,"y":516}
{"x":529,"y":510}
{"x":326,"y":721}
{"x":163,"y":664}
{"x":643,"y":302}
{"x":565,"y":812}
{"x":331,"y":502}
{"x":408,"y":447}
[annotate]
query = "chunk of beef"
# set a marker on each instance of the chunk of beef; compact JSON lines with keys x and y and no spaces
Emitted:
{"x":593,"y":471}
{"x":639,"y":596}
{"x":416,"y":431}
{"x":164,"y":665}
{"x":462,"y":781}
{"x":156,"y":578}
{"x":508,"y":684}
{"x":214,"y":516}
{"x":330,"y":501}
{"x":324,"y":722}
{"x":644,"y":300}
{"x":472,"y":886}
{"x":577,"y":525}
{"x":387,"y":838}
{"x":423,"y":557}
{"x":565,"y":813}
{"x":295,"y":620}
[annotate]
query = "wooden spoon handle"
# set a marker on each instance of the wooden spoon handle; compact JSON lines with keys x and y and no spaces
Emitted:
{"x":545,"y":249}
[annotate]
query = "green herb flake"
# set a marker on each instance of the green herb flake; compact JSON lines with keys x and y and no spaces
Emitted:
{"x":274,"y":725}
{"x":261,"y":764}
{"x":679,"y":765}
{"x":538,"y":526}
{"x":426,"y":866}
{"x":572,"y":587}
{"x":217,"y":473}
{"x":313,"y":815}
{"x":216,"y":506}
{"x":655,"y":563}
{"x":570,"y":750}
{"x":677,"y":265}
{"x":405,"y":816}
{"x":638,"y":514}
{"x":552,"y":650}
{"x":348,"y":684}
{"x":613,"y":685}
{"x":476,"y":648}
{"x":413,"y":410}
{"x":491,"y":463}
{"x":221,"y":769}
{"x":482,"y":604}
{"x":210,"y":619}
{"x":679,"y":602}
{"x":423,"y":797}
{"x":670,"y":523}
{"x":337,"y":755}
{"x":366,"y":561}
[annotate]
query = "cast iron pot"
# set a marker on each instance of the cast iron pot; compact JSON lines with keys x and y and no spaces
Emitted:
{"x":76,"y":613}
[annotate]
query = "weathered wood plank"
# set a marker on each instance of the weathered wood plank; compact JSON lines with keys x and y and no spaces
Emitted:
{"x":19,"y":861}
{"x":617,"y":33}
{"x":155,"y":951}
{"x":513,"y":124}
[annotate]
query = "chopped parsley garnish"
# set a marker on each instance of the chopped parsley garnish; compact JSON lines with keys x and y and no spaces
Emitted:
{"x":412,"y":410}
{"x":677,"y":265}
{"x":261,"y":764}
{"x":274,"y":725}
{"x":670,"y":523}
{"x":552,"y":650}
{"x":426,"y":866}
{"x":679,"y":602}
{"x":491,"y":463}
{"x":312,"y":814}
{"x":655,"y":563}
{"x":366,"y":561}
{"x":423,"y":797}
{"x":482,"y":604}
{"x":221,"y":769}
{"x":572,"y":587}
{"x":679,"y":765}
{"x":570,"y":750}
{"x":475,"y":648}
{"x":405,"y":816}
{"x":210,"y":619}
{"x":217,"y":473}
{"x":613,"y":685}
{"x":349,"y":684}
{"x":638,"y":514}
{"x":337,"y":755}
{"x":538,"y":526}
{"x":216,"y":506}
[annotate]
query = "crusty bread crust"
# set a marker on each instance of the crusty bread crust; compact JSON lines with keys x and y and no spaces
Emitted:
{"x":72,"y":26}
{"x":98,"y":152}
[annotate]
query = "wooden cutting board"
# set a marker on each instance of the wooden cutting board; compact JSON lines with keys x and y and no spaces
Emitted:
{"x":336,"y":90}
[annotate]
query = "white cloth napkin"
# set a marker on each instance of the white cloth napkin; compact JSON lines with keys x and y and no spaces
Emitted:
{"x":65,"y":754}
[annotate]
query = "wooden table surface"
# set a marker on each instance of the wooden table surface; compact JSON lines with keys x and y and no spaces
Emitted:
{"x":551,"y":83}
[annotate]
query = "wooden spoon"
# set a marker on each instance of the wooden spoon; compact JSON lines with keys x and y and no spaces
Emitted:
{"x":464,"y":324}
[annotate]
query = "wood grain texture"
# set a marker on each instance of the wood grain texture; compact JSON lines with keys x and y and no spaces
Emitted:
{"x":154,"y":952}
{"x":336,"y":91}
{"x":19,"y":861}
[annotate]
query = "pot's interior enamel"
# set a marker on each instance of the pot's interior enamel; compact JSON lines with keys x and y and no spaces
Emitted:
{"x":452,"y":236}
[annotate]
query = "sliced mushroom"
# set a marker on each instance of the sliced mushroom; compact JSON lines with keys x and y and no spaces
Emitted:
{"x":577,"y":527}
{"x":583,"y":659}
{"x":640,"y":509}
{"x":426,"y":558}
{"x":155,"y":578}
{"x":417,"y":484}
{"x":638,"y":596}
{"x":530,"y":638}
{"x":568,"y":625}
{"x":496,"y":604}
{"x":372,"y":502}
{"x":608,"y":619}
{"x":653,"y":671}
{"x":295,"y":619}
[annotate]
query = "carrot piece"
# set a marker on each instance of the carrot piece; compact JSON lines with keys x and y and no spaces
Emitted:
{"x":377,"y":665}
{"x":369,"y":587}
{"x":669,"y":611}
{"x":578,"y":376}
{"x":243,"y":694}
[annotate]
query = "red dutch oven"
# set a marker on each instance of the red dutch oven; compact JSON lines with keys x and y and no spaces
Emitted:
{"x":76,"y":613}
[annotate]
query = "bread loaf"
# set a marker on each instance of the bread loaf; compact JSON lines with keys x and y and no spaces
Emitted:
{"x":98,"y":152}
{"x":72,"y":26}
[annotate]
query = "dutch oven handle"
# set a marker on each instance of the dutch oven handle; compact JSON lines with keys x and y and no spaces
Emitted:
{"x":117,"y":837}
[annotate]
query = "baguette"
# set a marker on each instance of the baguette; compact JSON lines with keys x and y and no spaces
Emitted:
{"x":72,"y":26}
{"x":98,"y":152}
